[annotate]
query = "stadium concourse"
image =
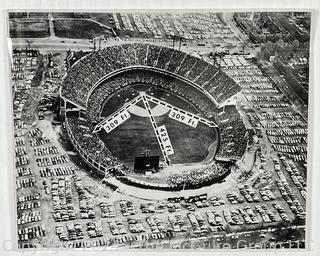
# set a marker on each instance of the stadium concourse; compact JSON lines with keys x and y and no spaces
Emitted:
{"x":92,"y":81}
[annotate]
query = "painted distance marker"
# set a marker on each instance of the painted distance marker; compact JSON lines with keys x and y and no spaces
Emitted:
{"x":184,"y":117}
{"x":164,"y":137}
{"x":116,"y":120}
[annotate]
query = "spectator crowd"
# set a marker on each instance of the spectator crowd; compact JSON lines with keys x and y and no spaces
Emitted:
{"x":84,"y":74}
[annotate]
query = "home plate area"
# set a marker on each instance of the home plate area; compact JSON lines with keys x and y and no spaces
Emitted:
{"x":140,"y":110}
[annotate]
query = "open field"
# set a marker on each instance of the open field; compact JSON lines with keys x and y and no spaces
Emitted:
{"x":72,"y":28}
{"x":29,"y":28}
{"x":104,"y":18}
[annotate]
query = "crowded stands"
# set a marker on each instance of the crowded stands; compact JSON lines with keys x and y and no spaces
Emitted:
{"x":232,"y":134}
{"x":232,"y":146}
{"x":197,"y":177}
{"x":89,"y":142}
{"x":97,"y":98}
{"x":84,"y":74}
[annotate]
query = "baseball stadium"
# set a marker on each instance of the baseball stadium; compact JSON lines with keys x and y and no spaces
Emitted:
{"x":153,"y":116}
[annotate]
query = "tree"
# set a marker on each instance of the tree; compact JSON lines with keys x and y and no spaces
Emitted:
{"x":295,"y":44}
{"x":280,"y":43}
{"x":269,"y":45}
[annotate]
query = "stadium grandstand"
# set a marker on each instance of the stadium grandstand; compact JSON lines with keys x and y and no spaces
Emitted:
{"x":95,"y":77}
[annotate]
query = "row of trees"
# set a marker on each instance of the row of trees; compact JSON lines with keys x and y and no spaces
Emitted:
{"x":269,"y":49}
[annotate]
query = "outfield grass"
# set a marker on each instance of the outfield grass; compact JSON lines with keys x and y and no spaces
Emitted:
{"x":131,"y":139}
{"x":29,"y":28}
{"x":135,"y":135}
{"x":190,"y":144}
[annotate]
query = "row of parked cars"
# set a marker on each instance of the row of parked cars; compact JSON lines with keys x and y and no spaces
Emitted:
{"x":249,"y":194}
{"x":174,"y":207}
{"x":23,"y":198}
{"x":25,"y":183}
{"x":215,"y":219}
{"x":287,"y":194}
{"x":53,"y":160}
{"x":117,"y":240}
{"x":107,"y":210}
{"x":265,"y":213}
{"x":232,"y":217}
{"x":39,"y":141}
{"x":57,"y":171}
{"x":281,"y":212}
{"x":177,"y":223}
{"x":34,"y":132}
{"x":27,"y":233}
{"x":86,"y":205}
{"x":217,"y":200}
{"x":248,"y":215}
{"x":51,"y":150}
{"x":156,"y":224}
{"x":294,"y":204}
{"x":147,"y":208}
{"x":271,"y":105}
{"x":20,"y":134}
{"x":20,"y":151}
{"x":28,"y":205}
{"x":22,"y":160}
{"x":127,"y":208}
{"x":135,"y":225}
{"x":24,"y":171}
{"x":70,"y":232}
{"x":234,"y":198}
{"x":61,"y":192}
{"x":94,"y":229}
{"x":116,"y":227}
{"x":267,"y":195}
{"x":197,"y":222}
{"x":28,"y":217}
{"x":20,"y":141}
{"x":295,"y":175}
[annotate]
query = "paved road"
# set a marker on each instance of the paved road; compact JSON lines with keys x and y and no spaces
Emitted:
{"x":287,"y":90}
{"x":53,"y":43}
{"x":228,"y":18}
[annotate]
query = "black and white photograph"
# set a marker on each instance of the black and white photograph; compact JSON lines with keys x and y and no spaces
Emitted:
{"x":160,"y":129}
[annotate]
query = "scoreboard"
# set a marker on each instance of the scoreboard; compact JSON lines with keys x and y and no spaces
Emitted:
{"x":145,"y":163}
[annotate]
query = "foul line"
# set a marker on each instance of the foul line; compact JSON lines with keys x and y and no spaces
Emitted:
{"x":200,"y":119}
{"x":125,"y":107}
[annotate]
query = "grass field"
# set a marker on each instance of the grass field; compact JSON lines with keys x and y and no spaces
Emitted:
{"x":136,"y":135}
{"x":29,"y":28}
{"x":71,"y":28}
{"x":104,"y":18}
{"x":118,"y":99}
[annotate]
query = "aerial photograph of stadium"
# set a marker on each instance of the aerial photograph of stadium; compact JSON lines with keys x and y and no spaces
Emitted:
{"x":160,"y":129}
